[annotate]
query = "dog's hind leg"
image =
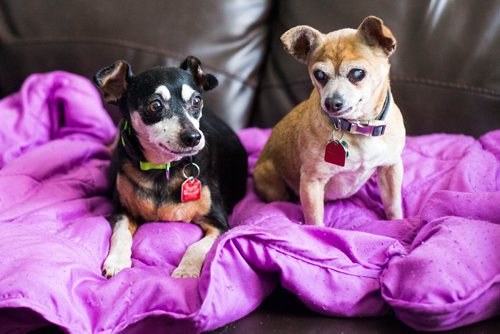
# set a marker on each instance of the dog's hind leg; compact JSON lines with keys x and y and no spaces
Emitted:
{"x":269,"y":184}
{"x":192,"y":261}
{"x":120,"y":250}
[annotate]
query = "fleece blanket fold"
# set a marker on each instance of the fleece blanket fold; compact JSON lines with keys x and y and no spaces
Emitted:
{"x":437,"y":269}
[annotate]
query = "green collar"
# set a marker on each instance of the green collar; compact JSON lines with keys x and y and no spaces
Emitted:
{"x":146,"y":165}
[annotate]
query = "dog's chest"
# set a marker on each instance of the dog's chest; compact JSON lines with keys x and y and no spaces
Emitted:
{"x":344,"y":181}
{"x":139,"y":200}
{"x":346,"y":184}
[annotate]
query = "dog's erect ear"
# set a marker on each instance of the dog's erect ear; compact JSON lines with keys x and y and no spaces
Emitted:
{"x":203,"y":80}
{"x":374,"y":33}
{"x":113,"y":80}
{"x":300,"y":41}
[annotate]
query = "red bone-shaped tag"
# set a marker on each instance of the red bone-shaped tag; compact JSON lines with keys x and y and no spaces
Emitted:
{"x":191,"y":190}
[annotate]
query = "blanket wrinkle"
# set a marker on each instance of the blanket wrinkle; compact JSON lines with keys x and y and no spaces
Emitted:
{"x":438,"y":268}
{"x":31,"y":117}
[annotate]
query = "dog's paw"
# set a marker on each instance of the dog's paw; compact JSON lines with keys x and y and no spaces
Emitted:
{"x":394,"y":213}
{"x":114,"y":264}
{"x":394,"y":216}
{"x":186,"y":271}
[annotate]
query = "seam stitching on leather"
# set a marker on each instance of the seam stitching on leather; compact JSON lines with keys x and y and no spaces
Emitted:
{"x":128,"y":44}
{"x":447,"y":84}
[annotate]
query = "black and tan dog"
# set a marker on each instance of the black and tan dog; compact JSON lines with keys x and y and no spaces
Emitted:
{"x":328,"y":146}
{"x":170,"y":163}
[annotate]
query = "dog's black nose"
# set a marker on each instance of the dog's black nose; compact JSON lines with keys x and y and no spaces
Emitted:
{"x":334,"y":103}
{"x":191,"y":138}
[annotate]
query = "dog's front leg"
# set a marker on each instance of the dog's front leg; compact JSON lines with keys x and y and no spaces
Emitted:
{"x":192,"y":261}
{"x":312,"y":193}
{"x":390,"y":180}
{"x":120,"y":250}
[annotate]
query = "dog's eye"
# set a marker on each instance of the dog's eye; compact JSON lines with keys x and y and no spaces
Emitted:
{"x":321,"y":77}
{"x":155,"y":106}
{"x":356,"y":75}
{"x":196,"y":102}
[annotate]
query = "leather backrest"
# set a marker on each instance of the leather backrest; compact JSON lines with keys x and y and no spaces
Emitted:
{"x":445,"y":72}
{"x":82,"y":36}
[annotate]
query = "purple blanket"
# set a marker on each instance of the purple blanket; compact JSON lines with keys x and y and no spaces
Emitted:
{"x":437,"y":269}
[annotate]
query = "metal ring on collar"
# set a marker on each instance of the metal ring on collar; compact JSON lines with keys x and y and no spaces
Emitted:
{"x":189,"y":165}
{"x":335,"y":132}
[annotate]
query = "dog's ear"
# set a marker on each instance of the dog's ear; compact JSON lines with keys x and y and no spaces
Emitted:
{"x":113,"y":80}
{"x":204,"y":81}
{"x":300,"y":41}
{"x":374,"y":33}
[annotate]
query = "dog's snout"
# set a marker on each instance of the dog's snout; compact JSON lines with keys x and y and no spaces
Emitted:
{"x":191,"y":138}
{"x":334,"y":103}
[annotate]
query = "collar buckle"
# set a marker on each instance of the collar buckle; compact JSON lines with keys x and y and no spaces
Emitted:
{"x":371,"y":128}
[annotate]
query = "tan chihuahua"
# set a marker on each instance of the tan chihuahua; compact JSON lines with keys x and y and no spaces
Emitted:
{"x":328,"y":146}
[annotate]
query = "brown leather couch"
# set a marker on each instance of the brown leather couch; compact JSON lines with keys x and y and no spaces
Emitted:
{"x":445,"y":73}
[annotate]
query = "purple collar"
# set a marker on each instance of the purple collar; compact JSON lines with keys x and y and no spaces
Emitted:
{"x":372,"y":128}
